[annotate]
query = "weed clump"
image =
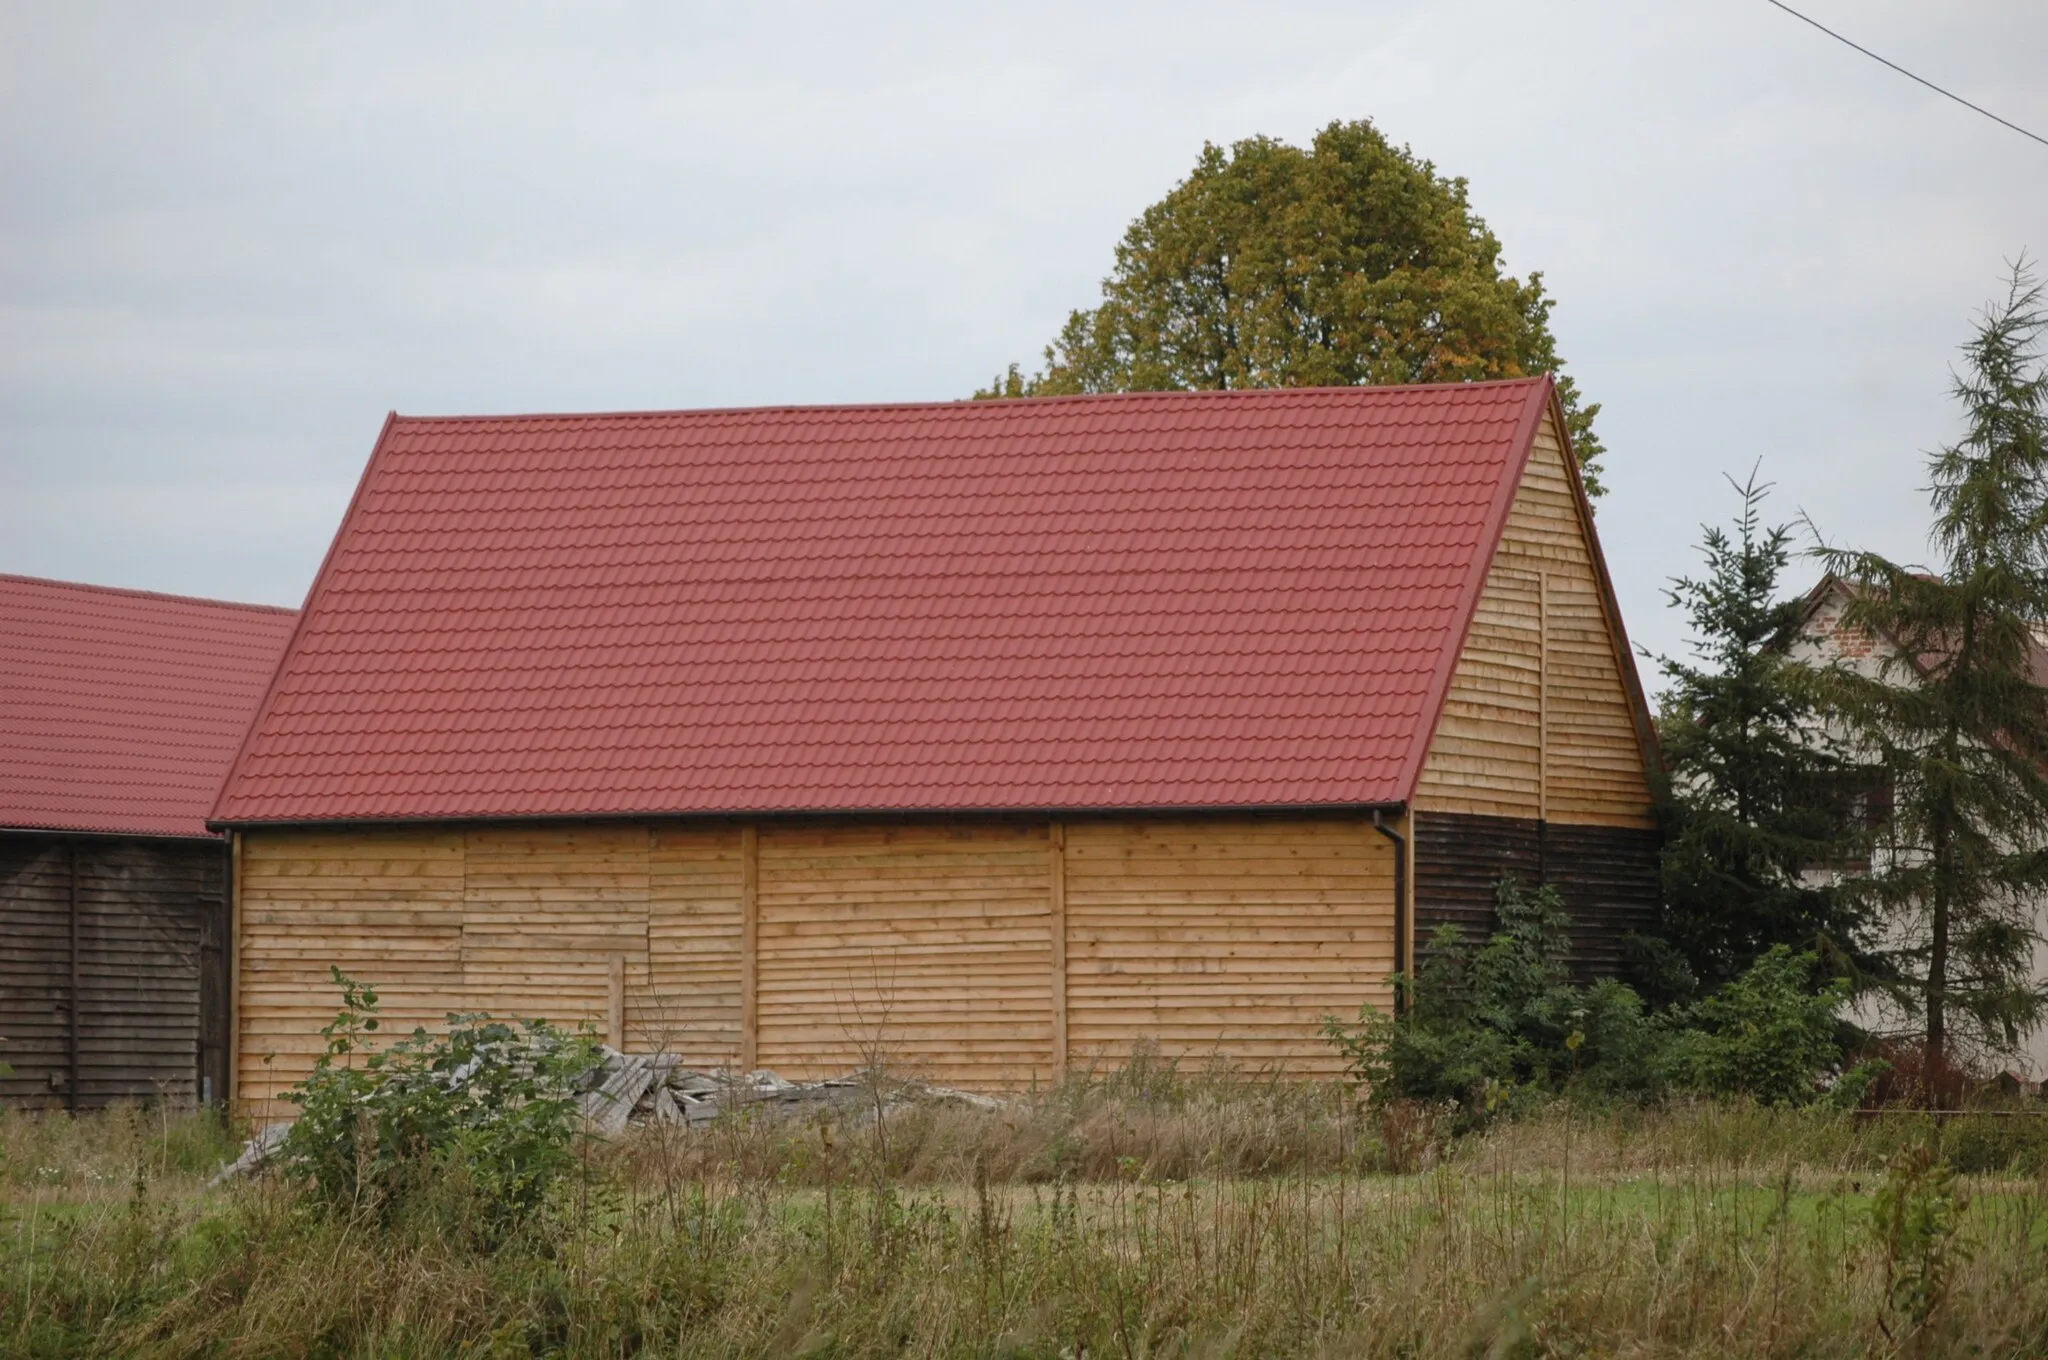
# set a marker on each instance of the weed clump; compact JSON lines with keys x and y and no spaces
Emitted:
{"x":479,"y":1122}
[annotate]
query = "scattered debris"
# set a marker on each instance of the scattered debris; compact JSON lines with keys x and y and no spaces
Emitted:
{"x":651,"y":1088}
{"x":255,"y":1153}
{"x":654,"y":1088}
{"x":641,"y":1088}
{"x":971,"y":1099}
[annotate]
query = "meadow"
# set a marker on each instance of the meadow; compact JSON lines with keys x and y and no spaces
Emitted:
{"x":1141,"y":1213}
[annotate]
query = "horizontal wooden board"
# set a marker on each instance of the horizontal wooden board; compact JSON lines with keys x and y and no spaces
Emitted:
{"x":926,"y":946}
{"x":1538,"y":721}
{"x":1607,"y":877}
{"x":1224,"y":937}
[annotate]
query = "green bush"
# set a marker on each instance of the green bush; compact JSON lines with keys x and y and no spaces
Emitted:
{"x":1494,"y":1028}
{"x":1488,"y":1028}
{"x":1767,"y":1034}
{"x":484,"y":1116}
{"x":1996,"y":1141}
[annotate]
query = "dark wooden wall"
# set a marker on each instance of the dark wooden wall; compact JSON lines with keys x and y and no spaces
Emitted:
{"x":113,"y":970}
{"x":1607,"y":875}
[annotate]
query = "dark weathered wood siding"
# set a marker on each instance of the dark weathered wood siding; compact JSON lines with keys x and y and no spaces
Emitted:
{"x":1460,"y":859}
{"x":113,"y":956}
{"x":1607,"y":876}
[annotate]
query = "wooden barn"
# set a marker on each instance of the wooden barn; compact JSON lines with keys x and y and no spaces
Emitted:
{"x":119,"y":714}
{"x":989,"y":737}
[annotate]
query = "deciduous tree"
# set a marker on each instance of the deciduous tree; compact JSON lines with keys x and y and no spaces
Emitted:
{"x":1351,"y":262}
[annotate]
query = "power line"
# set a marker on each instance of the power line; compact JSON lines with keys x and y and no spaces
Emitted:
{"x":1908,"y":74}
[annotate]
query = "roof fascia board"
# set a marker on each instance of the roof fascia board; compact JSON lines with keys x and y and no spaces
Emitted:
{"x":313,"y":595}
{"x":1541,"y":397}
{"x":97,"y":834}
{"x":828,"y":814}
{"x":1652,"y":750}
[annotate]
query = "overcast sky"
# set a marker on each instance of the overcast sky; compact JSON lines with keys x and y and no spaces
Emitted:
{"x":233,"y":238}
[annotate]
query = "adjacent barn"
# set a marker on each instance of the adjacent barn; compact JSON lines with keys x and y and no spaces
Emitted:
{"x":989,"y":738}
{"x":119,"y":714}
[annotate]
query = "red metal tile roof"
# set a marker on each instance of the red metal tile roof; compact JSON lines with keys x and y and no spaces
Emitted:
{"x":1145,"y":601}
{"x":120,"y":710}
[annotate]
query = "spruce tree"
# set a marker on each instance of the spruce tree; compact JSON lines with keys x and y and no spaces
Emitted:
{"x":1957,"y":713}
{"x":1754,"y":804}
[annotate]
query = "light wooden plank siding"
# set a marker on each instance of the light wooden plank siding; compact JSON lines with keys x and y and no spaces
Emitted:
{"x":1487,"y":756}
{"x":1513,"y":698}
{"x":384,"y":906}
{"x":930,"y":945}
{"x":1229,"y":936}
{"x":691,"y":1004}
{"x":545,"y":911}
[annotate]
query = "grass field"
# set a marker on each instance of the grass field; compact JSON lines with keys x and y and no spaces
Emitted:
{"x":1145,"y":1215}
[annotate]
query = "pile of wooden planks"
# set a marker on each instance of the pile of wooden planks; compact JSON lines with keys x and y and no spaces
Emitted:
{"x":643,"y":1088}
{"x":634,"y":1088}
{"x":655,"y":1088}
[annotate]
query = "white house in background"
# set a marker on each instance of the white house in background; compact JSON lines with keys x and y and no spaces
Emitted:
{"x":1824,"y":639}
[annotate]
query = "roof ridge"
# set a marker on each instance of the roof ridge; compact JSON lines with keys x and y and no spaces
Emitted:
{"x":135,"y":593}
{"x":995,"y":403}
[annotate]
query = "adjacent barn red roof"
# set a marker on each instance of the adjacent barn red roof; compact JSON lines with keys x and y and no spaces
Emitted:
{"x":1146,"y":601}
{"x":120,"y":710}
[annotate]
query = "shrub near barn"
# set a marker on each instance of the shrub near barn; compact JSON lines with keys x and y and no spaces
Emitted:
{"x":474,"y":1125}
{"x":1492,"y":1027}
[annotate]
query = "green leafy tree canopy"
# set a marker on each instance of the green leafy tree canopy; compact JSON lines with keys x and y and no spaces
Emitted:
{"x":1349,"y":263}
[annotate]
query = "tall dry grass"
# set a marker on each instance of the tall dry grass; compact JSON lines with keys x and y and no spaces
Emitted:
{"x":101,"y":1154}
{"x":1148,"y":1214}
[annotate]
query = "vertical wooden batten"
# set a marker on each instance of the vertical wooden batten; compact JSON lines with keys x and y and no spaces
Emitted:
{"x":1543,"y":696}
{"x":750,"y":948}
{"x":615,"y":1003}
{"x":71,"y":1098}
{"x":1404,"y":920}
{"x":234,"y":963}
{"x":1057,"y":879}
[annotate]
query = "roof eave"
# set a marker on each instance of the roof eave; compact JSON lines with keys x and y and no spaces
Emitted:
{"x":112,"y":833}
{"x":1036,"y":813}
{"x":1624,"y":656}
